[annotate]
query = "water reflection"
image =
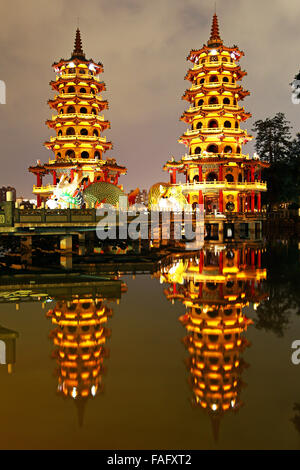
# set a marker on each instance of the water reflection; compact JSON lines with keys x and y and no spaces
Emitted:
{"x":80,"y":336}
{"x":215,"y":285}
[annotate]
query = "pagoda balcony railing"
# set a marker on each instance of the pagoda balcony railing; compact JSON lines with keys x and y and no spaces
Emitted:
{"x":244,"y":185}
{"x":212,"y":106}
{"x":212,"y":84}
{"x":74,"y":161}
{"x":80,"y":115}
{"x":85,"y":76}
{"x":207,"y":85}
{"x":78,"y":137}
{"x":49,"y":188}
{"x":80,"y":95}
{"x":192,"y":131}
{"x":215,"y":155}
{"x":214,"y":130}
{"x":214,"y":64}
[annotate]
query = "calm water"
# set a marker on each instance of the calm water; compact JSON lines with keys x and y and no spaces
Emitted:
{"x":157,"y":365}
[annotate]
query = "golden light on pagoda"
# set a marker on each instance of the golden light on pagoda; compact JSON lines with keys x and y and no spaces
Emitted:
{"x":79,"y":144}
{"x":218,"y":173}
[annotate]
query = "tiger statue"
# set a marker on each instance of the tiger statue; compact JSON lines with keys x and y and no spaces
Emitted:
{"x":165,"y":196}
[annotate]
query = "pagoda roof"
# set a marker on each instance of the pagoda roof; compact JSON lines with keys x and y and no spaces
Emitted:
{"x":188,"y":115}
{"x":109,"y":164}
{"x":220,"y":89}
{"x":194,"y":53}
{"x":77,"y":79}
{"x":220,"y":68}
{"x":76,"y":98}
{"x":181,"y":164}
{"x":104,"y":124}
{"x":78,"y":56}
{"x":77,"y":140}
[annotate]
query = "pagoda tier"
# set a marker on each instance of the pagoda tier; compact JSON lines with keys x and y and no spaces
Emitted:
{"x":79,"y":144}
{"x":215,"y":285}
{"x":218,"y":174}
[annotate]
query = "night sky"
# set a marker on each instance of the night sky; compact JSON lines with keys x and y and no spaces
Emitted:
{"x":143,"y":46}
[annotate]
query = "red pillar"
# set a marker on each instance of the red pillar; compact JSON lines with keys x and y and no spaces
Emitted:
{"x":252,"y":174}
{"x":54,"y":177}
{"x":200,"y":198}
{"x":221,"y":262}
{"x":252,"y":259}
{"x":116,"y":180}
{"x":200,"y":289}
{"x":252,"y":201}
{"x":39,"y":183}
{"x":259,"y":202}
{"x":72,"y":174}
{"x":259,"y":259}
{"x":238,"y":203}
{"x":221,"y":201}
{"x":220,"y":172}
{"x":200,"y":173}
{"x":173,"y":176}
{"x":201,"y":261}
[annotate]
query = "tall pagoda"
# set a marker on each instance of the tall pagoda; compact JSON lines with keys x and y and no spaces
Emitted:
{"x":79,"y":145}
{"x":217,"y":172}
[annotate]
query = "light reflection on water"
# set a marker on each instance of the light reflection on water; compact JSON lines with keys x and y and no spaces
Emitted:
{"x":199,"y":356}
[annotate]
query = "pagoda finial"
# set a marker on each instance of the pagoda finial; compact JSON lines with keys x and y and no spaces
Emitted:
{"x":78,"y":51}
{"x":215,"y":38}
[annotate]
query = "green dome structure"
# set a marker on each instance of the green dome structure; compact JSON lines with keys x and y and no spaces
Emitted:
{"x":102,"y":192}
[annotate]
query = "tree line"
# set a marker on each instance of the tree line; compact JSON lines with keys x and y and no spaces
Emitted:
{"x":275,"y":145}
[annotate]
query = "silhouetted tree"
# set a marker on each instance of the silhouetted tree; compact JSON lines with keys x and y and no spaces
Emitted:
{"x":273,"y":138}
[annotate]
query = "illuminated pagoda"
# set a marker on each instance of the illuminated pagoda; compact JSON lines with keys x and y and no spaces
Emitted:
{"x":79,"y":145}
{"x":80,"y":336}
{"x":215,"y":285}
{"x":217,"y":172}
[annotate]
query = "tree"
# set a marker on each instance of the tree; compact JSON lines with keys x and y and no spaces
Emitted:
{"x":273,"y":138}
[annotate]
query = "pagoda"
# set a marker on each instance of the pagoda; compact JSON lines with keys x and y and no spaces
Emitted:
{"x":215,"y":285}
{"x":79,"y":145}
{"x":217,"y":172}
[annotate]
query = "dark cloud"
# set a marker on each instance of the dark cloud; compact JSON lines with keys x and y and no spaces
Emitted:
{"x":143,"y":45}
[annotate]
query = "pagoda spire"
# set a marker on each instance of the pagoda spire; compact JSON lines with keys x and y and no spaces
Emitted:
{"x":78,"y":51}
{"x":215,"y":38}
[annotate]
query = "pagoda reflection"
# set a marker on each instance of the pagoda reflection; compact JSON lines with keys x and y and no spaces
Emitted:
{"x":215,"y":285}
{"x":80,"y":337}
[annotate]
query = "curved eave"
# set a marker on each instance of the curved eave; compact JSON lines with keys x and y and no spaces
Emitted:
{"x":208,"y":160}
{"x":191,"y":73}
{"x":187,"y":116}
{"x":38,"y":169}
{"x":118,"y":169}
{"x":104,"y":125}
{"x":220,"y":89}
{"x":202,"y":135}
{"x":77,"y":61}
{"x":105,"y":145}
{"x":54,"y":102}
{"x":88,"y":82}
{"x":206,"y":49}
